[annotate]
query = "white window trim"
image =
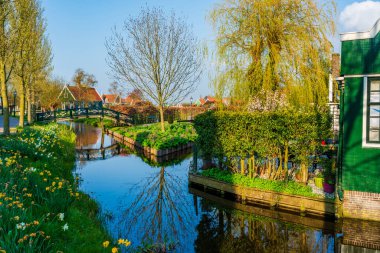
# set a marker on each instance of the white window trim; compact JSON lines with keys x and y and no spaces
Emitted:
{"x":365,"y":106}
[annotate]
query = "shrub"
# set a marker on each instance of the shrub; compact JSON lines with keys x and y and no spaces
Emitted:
{"x":270,"y":138}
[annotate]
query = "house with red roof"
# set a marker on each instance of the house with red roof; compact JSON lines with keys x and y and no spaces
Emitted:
{"x":209,"y":101}
{"x":113,"y":99}
{"x":80,"y":97}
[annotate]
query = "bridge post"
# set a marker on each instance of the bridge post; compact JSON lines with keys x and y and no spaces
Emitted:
{"x":71,"y":113}
{"x":55,"y":115}
{"x":102,"y":112}
{"x":86,"y":112}
{"x":118,"y":118}
{"x":195,"y":157}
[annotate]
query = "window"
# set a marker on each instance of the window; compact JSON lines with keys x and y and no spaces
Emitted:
{"x":373,"y":111}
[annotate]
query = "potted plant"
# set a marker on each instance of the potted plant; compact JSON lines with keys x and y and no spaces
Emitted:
{"x":329,"y":185}
{"x":318,"y":180}
{"x":328,"y":165}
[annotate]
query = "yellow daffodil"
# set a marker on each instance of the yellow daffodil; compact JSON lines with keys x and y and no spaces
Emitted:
{"x":115,"y":250}
{"x":105,"y":244}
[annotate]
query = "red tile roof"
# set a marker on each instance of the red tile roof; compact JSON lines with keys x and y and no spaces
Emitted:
{"x":130,"y":99}
{"x":88,"y":94}
{"x":110,"y":98}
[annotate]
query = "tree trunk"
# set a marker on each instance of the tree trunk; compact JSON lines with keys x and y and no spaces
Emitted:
{"x":29,"y":106}
{"x":162,"y":118}
{"x":286,"y":160}
{"x":242,"y":166}
{"x":22,"y":106}
{"x":4,"y":98}
{"x":304,"y":173}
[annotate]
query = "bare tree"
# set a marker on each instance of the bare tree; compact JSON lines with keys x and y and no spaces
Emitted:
{"x":117,"y":89}
{"x":83,"y":79}
{"x":157,"y":54}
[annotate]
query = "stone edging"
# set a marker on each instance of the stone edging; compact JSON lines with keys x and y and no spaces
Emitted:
{"x":152,"y":151}
{"x":315,"y":206}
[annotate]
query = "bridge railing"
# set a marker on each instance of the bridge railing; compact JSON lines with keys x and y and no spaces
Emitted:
{"x":73,"y":113}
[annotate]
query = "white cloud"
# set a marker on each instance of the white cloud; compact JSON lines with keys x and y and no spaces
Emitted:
{"x":359,"y":16}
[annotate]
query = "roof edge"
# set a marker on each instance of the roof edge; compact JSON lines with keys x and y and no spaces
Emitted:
{"x":362,"y":35}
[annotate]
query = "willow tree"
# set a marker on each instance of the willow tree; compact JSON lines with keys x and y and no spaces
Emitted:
{"x":33,"y":56}
{"x":156,"y":54}
{"x":274,"y":45}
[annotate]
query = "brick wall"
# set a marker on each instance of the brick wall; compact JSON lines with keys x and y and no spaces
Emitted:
{"x":361,"y":205}
{"x":364,"y":234}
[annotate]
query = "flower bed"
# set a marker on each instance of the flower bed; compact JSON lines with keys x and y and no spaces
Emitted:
{"x":151,"y":136}
{"x":41,"y":209}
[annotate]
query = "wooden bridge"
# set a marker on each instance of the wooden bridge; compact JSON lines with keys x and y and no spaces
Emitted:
{"x":119,"y":117}
{"x":100,"y":153}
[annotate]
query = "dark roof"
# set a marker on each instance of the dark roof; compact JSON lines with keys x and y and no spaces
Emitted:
{"x":88,"y":94}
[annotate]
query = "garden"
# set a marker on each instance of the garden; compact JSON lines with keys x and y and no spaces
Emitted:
{"x":278,"y":151}
{"x":41,"y":209}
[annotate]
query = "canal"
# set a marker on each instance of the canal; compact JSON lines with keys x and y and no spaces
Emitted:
{"x":149,"y":202}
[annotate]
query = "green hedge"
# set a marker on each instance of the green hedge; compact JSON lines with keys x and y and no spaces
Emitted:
{"x":151,"y":135}
{"x":267,"y":136}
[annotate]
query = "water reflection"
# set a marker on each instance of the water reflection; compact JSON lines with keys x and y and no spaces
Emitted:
{"x":148,"y":201}
{"x":90,"y":137}
{"x":160,"y":212}
{"x":226,"y":230}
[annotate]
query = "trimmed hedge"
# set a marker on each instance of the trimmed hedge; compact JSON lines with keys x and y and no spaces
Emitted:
{"x":268,"y":137}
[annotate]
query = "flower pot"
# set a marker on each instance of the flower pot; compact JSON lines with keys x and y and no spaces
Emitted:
{"x":328,"y":188}
{"x":318,"y":182}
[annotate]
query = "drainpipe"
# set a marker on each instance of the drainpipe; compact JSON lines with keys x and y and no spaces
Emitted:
{"x":339,"y":173}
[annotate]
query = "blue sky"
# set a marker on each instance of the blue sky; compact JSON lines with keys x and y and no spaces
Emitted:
{"x":78,"y":29}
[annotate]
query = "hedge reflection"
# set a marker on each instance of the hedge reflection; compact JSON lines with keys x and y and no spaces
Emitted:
{"x":223,"y":230}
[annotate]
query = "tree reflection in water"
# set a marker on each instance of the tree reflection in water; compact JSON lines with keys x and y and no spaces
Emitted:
{"x":224,"y":230}
{"x":160,"y":213}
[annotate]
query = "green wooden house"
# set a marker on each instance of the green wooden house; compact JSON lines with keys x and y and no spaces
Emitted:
{"x":80,"y":97}
{"x":359,"y":175}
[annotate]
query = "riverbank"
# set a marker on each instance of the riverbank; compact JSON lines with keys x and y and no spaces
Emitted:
{"x":152,"y":141}
{"x":270,"y":194}
{"x":41,"y":208}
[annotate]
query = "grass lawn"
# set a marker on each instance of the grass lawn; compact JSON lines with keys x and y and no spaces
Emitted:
{"x":290,"y":187}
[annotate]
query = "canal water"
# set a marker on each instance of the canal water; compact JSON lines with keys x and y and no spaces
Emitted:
{"x":150,"y":202}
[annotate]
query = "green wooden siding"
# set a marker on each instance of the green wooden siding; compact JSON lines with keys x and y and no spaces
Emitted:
{"x":361,"y":56}
{"x":360,"y":166}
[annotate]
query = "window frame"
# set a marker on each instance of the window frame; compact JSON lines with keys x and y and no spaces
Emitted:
{"x":368,"y":111}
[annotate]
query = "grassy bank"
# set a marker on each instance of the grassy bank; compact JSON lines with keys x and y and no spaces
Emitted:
{"x":41,"y":209}
{"x":96,"y":122}
{"x":290,"y":187}
{"x":151,"y":135}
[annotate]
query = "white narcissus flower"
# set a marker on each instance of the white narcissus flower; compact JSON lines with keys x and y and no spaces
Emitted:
{"x":65,"y":227}
{"x":61,"y":216}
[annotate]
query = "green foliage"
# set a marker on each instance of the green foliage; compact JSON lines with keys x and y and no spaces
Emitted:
{"x":274,"y":45}
{"x":151,"y":135}
{"x":236,"y":134}
{"x":36,"y":187}
{"x":261,"y":184}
